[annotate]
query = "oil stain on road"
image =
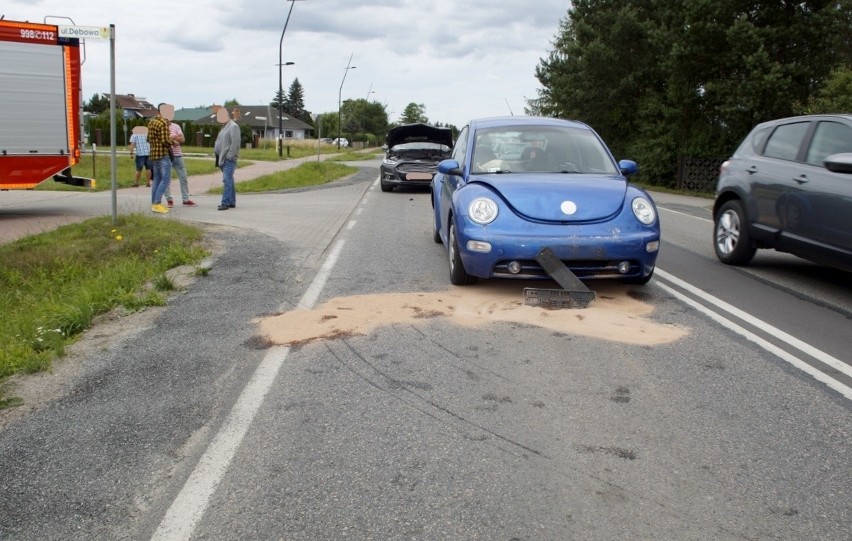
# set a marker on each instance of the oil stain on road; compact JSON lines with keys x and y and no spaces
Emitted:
{"x":615,"y":315}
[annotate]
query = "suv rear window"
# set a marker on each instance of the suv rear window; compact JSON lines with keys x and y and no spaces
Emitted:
{"x":785,"y":141}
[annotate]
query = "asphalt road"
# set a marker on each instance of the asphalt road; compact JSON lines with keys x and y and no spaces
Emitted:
{"x":185,"y":423}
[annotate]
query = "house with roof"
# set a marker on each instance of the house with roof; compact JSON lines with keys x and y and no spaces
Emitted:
{"x":263,"y":121}
{"x":192,"y":114}
{"x":134,"y":107}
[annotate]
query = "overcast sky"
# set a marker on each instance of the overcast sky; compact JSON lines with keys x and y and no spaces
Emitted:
{"x":461,"y":59}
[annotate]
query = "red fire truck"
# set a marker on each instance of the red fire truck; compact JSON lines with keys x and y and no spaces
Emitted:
{"x":40,"y":132}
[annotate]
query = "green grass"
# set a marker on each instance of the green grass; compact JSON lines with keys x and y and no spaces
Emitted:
{"x":304,"y":175}
{"x":125,"y":172}
{"x":198,"y":161}
{"x":663,"y":189}
{"x":54,"y":284}
{"x":350,"y":156}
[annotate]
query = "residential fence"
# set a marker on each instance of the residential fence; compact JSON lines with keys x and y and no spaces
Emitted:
{"x":697,"y":174}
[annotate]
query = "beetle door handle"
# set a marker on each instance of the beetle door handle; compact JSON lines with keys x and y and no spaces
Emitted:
{"x":752,"y":170}
{"x":801,"y":179}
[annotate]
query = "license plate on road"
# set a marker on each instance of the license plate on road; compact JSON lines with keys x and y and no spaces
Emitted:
{"x":418,"y":176}
{"x":557,"y":298}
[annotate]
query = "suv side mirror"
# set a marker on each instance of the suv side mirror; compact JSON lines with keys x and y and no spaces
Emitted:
{"x":839,"y":163}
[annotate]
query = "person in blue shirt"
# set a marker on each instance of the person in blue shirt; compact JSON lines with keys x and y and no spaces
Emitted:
{"x":139,"y":150}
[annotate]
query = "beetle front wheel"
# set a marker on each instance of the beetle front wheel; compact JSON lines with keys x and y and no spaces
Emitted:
{"x":458,"y":274}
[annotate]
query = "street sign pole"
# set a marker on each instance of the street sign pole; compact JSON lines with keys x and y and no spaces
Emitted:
{"x":99,"y":32}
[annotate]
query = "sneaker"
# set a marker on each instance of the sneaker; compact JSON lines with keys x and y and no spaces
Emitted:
{"x":222,"y":207}
{"x":159,"y":208}
{"x":170,"y":203}
{"x":189,"y":203}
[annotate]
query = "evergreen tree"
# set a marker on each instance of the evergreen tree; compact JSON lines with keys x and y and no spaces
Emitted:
{"x":280,"y":97}
{"x":97,"y":105}
{"x":295,"y":102}
{"x":413,"y":114}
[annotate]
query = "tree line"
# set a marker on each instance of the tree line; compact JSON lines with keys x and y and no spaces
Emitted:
{"x":663,"y":80}
{"x":359,"y":120}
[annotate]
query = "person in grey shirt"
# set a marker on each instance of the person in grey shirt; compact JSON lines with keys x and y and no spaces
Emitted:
{"x":227,"y":149}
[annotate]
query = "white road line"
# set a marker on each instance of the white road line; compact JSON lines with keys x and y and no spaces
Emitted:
{"x":821,"y":356}
{"x":189,"y":506}
{"x":685,"y":214}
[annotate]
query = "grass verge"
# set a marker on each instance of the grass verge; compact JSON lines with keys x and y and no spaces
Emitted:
{"x":198,"y":161}
{"x":304,"y":175}
{"x":350,"y":156}
{"x":53,"y":285}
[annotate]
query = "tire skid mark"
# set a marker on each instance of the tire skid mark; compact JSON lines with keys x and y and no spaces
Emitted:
{"x":392,"y":386}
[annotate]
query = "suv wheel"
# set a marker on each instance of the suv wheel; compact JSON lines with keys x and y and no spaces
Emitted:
{"x":730,"y":235}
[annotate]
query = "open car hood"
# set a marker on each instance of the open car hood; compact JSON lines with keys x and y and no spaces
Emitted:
{"x":559,"y":197}
{"x":413,"y":133}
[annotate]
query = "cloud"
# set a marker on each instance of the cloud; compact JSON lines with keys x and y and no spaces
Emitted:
{"x":460,"y":59}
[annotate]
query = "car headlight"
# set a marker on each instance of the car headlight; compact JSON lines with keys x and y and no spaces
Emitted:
{"x":389,"y":161}
{"x":644,"y":211}
{"x":482,"y":210}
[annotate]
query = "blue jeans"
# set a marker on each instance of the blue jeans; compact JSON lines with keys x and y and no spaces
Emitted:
{"x":229,"y":194}
{"x":180,"y":169}
{"x":162,"y":178}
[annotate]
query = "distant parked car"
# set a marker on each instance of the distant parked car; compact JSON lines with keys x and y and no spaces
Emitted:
{"x":327,"y":140}
{"x":789,"y":187}
{"x":412,"y":153}
{"x":344,"y":142}
{"x":516,"y":185}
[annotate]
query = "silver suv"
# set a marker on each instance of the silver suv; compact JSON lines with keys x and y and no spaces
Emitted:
{"x":789,"y":187}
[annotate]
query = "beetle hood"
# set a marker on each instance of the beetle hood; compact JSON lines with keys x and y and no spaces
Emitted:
{"x":560,"y":198}
{"x":413,"y":133}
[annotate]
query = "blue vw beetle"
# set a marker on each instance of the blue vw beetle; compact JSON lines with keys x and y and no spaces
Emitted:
{"x":517,"y":185}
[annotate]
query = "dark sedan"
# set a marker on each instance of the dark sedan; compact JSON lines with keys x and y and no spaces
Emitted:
{"x":412,"y":155}
{"x":789,"y":187}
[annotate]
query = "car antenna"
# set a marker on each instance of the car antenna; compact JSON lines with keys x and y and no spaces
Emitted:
{"x":509,"y":106}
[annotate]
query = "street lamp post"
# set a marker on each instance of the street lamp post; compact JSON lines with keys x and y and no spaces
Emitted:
{"x":366,"y":111}
{"x":280,"y":85}
{"x":280,"y":105}
{"x":349,"y":66}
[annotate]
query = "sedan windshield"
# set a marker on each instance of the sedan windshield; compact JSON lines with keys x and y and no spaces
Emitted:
{"x":540,"y":149}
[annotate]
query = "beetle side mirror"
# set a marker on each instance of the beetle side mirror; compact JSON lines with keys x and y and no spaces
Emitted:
{"x":449,"y":167}
{"x":628,"y":167}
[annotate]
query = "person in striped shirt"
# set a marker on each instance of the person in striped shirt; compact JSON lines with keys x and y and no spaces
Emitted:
{"x":177,"y":137}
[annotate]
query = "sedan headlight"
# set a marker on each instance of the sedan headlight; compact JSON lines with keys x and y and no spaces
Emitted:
{"x":482,"y":210}
{"x":644,"y":211}
{"x":389,"y":161}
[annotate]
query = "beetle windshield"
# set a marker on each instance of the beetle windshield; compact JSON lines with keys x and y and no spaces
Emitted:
{"x":540,"y":149}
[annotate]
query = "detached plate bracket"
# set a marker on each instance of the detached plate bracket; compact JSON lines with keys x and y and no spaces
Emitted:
{"x":574,"y":293}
